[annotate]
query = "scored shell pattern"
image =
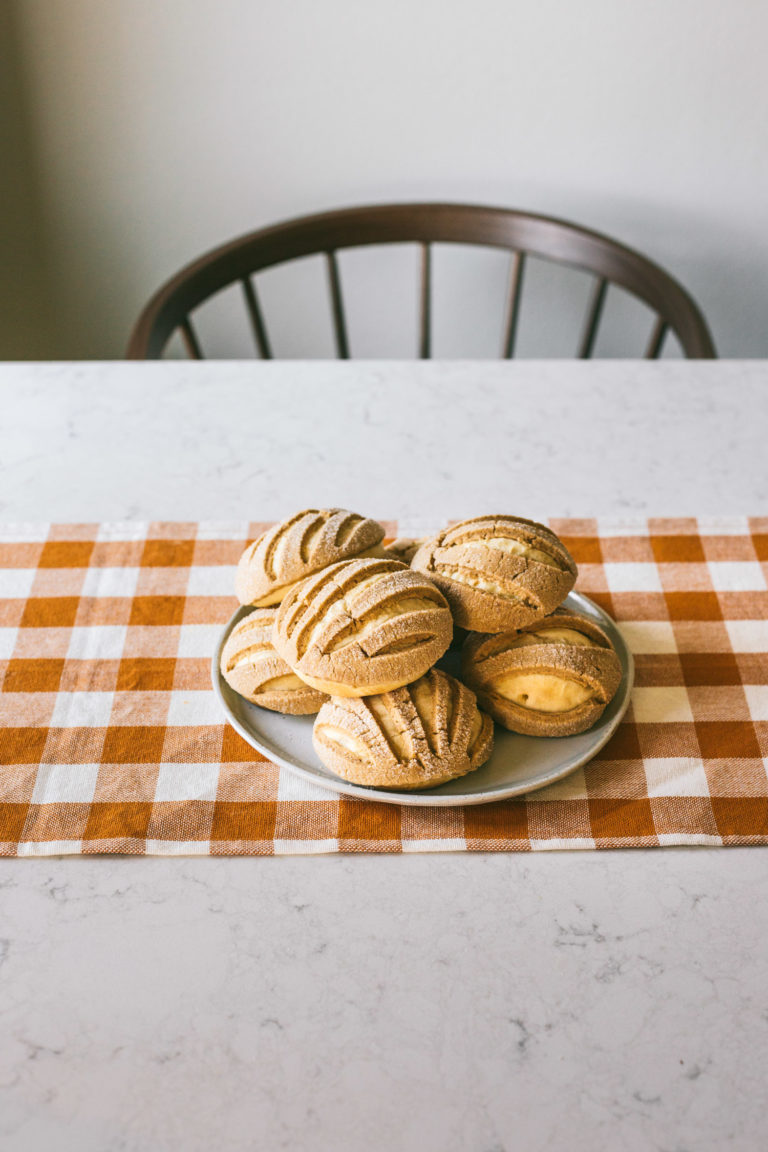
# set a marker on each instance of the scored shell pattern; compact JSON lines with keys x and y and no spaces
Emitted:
{"x":417,"y":736}
{"x":488,"y":662}
{"x":296,"y":548}
{"x":363,"y":626}
{"x":498,"y":572}
{"x":250,"y":665}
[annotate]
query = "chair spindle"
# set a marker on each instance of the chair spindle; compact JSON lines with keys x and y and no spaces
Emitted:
{"x":516,"y":269}
{"x":425,"y":305}
{"x":256,"y":318}
{"x":191,"y":342}
{"x":337,"y":305}
{"x":660,"y":329}
{"x":593,"y":319}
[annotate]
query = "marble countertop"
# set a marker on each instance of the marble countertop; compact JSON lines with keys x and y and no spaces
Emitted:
{"x":483,"y":1003}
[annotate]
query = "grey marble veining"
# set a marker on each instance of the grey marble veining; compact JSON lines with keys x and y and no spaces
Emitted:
{"x":568,"y":1001}
{"x":574,"y":1000}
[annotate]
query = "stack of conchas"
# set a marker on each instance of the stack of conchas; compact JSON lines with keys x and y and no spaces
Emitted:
{"x":343,"y":627}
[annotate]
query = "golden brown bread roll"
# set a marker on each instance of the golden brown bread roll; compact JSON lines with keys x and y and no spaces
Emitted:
{"x":362,"y":627}
{"x":298,"y":547}
{"x":553,"y":678}
{"x":498,"y":573}
{"x":250,"y":665}
{"x":414,"y":737}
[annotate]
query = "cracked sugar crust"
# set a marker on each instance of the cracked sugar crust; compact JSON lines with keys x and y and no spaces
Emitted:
{"x":300,"y":546}
{"x":498,"y":573}
{"x":417,"y":736}
{"x":553,"y":678}
{"x":362,"y":627}
{"x":250,"y":665}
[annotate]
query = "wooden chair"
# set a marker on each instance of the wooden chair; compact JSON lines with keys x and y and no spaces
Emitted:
{"x":521,"y":233}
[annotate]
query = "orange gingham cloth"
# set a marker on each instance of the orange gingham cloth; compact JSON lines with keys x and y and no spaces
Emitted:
{"x":111,"y":739}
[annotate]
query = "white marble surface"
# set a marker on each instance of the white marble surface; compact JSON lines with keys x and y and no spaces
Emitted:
{"x":571,"y":1001}
{"x":214,"y":440}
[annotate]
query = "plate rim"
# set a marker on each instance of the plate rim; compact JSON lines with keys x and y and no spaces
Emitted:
{"x":422,"y":799}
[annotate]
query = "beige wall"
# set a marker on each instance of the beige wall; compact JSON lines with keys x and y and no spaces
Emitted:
{"x":165,"y":126}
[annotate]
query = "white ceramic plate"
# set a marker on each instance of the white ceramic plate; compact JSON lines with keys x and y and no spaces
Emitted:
{"x":519,"y":763}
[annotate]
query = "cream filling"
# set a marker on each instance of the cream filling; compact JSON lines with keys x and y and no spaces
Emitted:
{"x":423,"y":699}
{"x":567,"y":636}
{"x":339,"y":736}
{"x":541,"y":692}
{"x":475,"y":580}
{"x":276,"y":595}
{"x":519,"y":548}
{"x":474,"y":732}
{"x":346,"y":529}
{"x":397,"y":737}
{"x":250,"y":655}
{"x":387,"y":611}
{"x":288,"y":683}
{"x":339,"y":606}
{"x":308,"y":541}
{"x":285,"y":545}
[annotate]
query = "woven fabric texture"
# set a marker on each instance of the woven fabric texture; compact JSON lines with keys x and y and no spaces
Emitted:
{"x":111,"y":739}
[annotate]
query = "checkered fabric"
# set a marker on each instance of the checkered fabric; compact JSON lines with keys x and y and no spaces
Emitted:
{"x":111,"y":739}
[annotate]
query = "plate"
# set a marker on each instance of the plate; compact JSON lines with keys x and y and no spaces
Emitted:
{"x":519,"y":764}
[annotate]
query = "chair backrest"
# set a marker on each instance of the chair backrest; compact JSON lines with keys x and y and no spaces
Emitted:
{"x":521,"y":233}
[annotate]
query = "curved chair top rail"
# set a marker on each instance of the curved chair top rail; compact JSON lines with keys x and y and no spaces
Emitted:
{"x":521,"y":233}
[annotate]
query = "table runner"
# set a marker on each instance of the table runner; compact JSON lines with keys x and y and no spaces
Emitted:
{"x":111,"y":739}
